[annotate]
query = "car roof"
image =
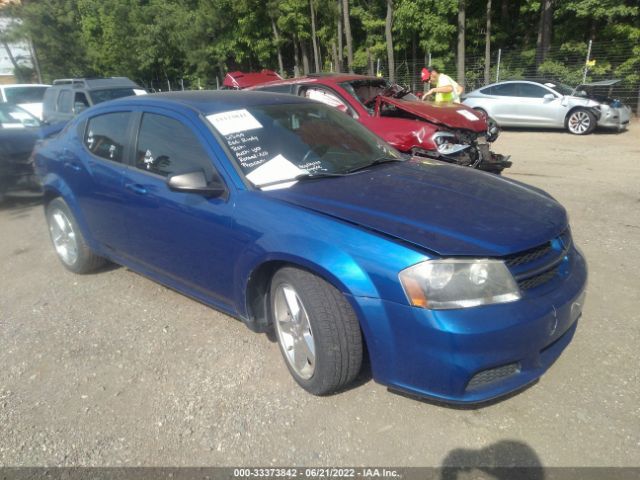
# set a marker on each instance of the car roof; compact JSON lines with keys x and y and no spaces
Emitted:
{"x":95,"y":83}
{"x":207,"y":102}
{"x":24,"y":85}
{"x":321,"y":78}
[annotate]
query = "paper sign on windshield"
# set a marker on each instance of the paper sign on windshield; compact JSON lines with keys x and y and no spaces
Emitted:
{"x":275,"y":170}
{"x":234,"y":121}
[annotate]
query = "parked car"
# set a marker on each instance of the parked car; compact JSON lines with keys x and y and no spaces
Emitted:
{"x":27,"y":96}
{"x":288,"y":214}
{"x":19,"y":132}
{"x":526,"y":103}
{"x":70,"y":96}
{"x":240,"y":80}
{"x":448,"y":132}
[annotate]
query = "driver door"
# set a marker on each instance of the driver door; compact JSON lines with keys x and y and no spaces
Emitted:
{"x":183,"y":237}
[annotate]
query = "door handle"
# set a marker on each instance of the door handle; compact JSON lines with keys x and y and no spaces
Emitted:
{"x":134,"y":187}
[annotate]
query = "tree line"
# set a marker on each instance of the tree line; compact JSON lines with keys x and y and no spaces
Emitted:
{"x":200,"y":40}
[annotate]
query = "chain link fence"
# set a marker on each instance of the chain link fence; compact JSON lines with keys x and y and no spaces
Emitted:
{"x":571,"y":64}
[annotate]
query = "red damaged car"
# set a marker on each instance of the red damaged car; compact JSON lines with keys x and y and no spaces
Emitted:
{"x":450,"y":132}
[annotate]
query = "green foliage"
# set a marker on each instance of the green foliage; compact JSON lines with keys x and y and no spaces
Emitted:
{"x":198,"y":40}
{"x":432,"y":22}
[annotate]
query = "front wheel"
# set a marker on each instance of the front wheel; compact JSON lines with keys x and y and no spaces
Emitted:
{"x":317,"y":331}
{"x":581,"y":122}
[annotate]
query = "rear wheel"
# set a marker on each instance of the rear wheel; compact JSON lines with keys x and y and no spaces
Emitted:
{"x":581,"y":122}
{"x":68,"y":241}
{"x":317,"y":331}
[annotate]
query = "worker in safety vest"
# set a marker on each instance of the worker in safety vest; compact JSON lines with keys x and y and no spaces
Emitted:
{"x":446,"y":89}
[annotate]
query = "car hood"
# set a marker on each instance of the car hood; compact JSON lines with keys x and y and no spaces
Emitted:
{"x":443,"y":208}
{"x":452,"y":115}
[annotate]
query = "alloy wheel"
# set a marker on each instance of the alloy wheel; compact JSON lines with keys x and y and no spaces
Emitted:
{"x":294,"y":331}
{"x":579,"y":122}
{"x":63,"y":236}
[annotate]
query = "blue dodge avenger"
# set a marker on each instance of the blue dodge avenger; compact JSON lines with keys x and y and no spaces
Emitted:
{"x":285,"y":213}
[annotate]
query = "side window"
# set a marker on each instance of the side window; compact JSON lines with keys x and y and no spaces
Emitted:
{"x":505,"y":90}
{"x":326,"y":97}
{"x":167,"y":146}
{"x":276,"y":89}
{"x":531,"y":91}
{"x":106,"y":135}
{"x":80,"y":102}
{"x":64,"y":102}
{"x":487,"y":91}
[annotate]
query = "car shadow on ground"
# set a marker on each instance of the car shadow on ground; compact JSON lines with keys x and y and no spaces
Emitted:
{"x":15,"y":201}
{"x":504,"y":460}
{"x":18,"y":204}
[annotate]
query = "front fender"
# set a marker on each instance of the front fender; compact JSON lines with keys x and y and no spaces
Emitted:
{"x":336,"y":266}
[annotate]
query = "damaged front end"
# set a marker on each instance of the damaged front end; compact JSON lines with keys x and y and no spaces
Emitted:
{"x":468,"y":149}
{"x":457,"y":134}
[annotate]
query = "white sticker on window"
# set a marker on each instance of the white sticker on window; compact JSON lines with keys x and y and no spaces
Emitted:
{"x":468,"y":115}
{"x":234,"y":121}
{"x":275,"y":170}
{"x":552,"y":85}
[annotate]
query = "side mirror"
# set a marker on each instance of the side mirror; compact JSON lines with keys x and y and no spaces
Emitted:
{"x":549,"y":97}
{"x":196,"y":182}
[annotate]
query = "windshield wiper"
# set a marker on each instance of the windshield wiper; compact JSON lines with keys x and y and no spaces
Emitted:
{"x":303,"y":176}
{"x":377,"y":161}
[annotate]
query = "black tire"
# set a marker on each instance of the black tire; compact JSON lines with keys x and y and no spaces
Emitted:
{"x":334,"y":330}
{"x":493,"y":128}
{"x":581,"y":122}
{"x":84,"y":261}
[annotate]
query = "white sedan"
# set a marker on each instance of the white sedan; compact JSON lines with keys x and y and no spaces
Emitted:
{"x":526,"y":103}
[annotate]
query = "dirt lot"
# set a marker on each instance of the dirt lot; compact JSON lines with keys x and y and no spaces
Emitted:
{"x":113,"y":369}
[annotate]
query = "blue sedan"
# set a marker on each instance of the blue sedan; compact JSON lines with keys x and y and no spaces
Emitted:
{"x":291,"y":216}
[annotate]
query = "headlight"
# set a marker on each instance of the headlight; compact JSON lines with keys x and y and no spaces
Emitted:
{"x":458,"y":283}
{"x":446,"y":143}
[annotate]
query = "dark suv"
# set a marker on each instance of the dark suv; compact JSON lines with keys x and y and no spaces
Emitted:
{"x":68,"y":97}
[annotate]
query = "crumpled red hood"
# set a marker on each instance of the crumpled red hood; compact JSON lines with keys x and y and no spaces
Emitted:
{"x":447,"y":114}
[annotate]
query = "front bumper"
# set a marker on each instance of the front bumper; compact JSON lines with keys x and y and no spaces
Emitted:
{"x":477,"y":354}
{"x":614,"y":117}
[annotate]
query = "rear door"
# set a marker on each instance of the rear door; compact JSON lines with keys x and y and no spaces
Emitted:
{"x":501,"y":103}
{"x":94,"y":171}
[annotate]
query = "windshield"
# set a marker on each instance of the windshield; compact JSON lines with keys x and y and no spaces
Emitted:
{"x":278,"y":143}
{"x":17,"y":95}
{"x":366,"y":91}
{"x":99,"y":96}
{"x":561,"y":88}
{"x":15,"y":117}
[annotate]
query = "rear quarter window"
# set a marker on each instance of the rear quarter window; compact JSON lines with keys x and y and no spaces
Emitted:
{"x":106,"y":135}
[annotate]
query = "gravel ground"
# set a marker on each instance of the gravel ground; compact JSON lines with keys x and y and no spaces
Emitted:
{"x":112,"y":369}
